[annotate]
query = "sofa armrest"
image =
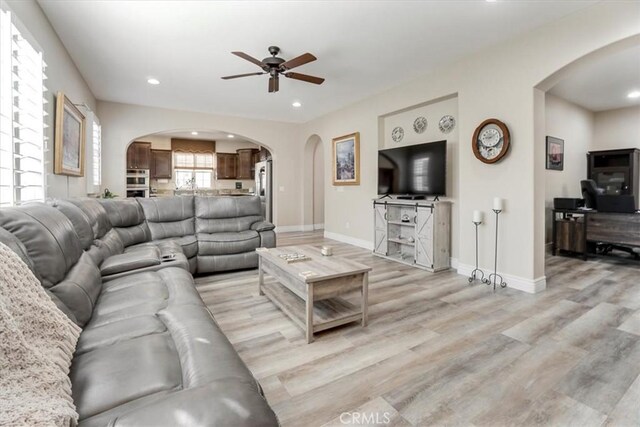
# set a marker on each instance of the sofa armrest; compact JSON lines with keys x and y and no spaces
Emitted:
{"x":262,"y":226}
{"x":134,"y":260}
{"x":220,"y":403}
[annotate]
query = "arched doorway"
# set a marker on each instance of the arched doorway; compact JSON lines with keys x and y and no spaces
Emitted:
{"x":209,"y":162}
{"x":314,"y":182}
{"x":564,"y":113}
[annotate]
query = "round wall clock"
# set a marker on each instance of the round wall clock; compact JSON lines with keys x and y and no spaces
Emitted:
{"x":446,"y":124}
{"x":491,"y":141}
{"x":397,"y":134}
{"x":420,"y":124}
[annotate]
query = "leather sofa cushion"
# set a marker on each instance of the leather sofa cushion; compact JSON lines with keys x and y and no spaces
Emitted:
{"x":143,"y":293}
{"x":116,"y":374}
{"x":123,"y":212}
{"x":226,"y":214}
{"x":115,"y":332}
{"x":96,"y":213}
{"x":133,"y":260}
{"x":169,"y":216}
{"x":127,"y":217}
{"x":227,"y":243}
{"x":51,"y":242}
{"x":78,"y":218}
{"x":80,"y":289}
{"x":215,"y":263}
{"x":220,"y":403}
{"x":18,"y":247}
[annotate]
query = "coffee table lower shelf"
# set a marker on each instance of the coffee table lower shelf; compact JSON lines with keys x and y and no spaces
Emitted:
{"x":327,"y":313}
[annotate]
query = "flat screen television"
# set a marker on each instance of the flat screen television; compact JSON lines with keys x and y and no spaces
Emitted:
{"x":413,"y":170}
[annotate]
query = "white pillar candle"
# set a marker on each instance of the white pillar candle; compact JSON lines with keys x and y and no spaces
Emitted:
{"x":477,"y":216}
{"x":497,"y":204}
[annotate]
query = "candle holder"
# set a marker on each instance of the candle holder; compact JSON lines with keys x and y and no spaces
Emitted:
{"x":493,"y":277}
{"x":474,"y":273}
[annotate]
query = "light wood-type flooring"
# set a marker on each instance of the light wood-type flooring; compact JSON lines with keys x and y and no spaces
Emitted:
{"x":438,"y":351}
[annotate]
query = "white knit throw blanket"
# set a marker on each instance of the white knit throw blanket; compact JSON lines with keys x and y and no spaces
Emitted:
{"x":37,"y":342}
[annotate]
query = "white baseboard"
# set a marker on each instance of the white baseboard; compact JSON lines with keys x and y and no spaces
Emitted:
{"x":292,"y":228}
{"x":454,"y":263}
{"x":350,"y":240}
{"x":531,"y":286}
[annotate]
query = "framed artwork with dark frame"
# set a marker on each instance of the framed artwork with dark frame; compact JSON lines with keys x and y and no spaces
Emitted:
{"x":346,"y":159}
{"x":555,"y":154}
{"x":69,"y":138}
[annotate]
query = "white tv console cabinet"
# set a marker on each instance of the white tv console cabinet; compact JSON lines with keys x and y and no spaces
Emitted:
{"x":413,"y":232}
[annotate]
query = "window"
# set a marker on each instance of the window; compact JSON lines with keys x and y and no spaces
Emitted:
{"x":193,"y":170}
{"x":22,"y":117}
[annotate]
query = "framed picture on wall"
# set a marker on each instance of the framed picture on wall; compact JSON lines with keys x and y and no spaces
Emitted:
{"x":346,"y":159}
{"x":69,"y":138}
{"x":555,"y":153}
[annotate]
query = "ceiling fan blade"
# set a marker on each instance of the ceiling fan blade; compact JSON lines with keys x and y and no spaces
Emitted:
{"x":241,"y":75}
{"x":249,"y":58}
{"x":298,"y":61}
{"x":274,"y":84}
{"x":305,"y":78}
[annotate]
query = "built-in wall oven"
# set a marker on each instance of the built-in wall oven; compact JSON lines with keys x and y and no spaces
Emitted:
{"x":138,"y":183}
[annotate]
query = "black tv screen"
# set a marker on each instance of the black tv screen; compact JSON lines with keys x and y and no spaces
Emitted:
{"x":414,"y":169}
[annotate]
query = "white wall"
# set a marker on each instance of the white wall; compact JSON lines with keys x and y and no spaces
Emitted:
{"x":318,"y":186}
{"x":62,"y":76}
{"x":617,"y":129}
{"x":498,"y":82}
{"x":574,"y":125}
{"x":122,"y":123}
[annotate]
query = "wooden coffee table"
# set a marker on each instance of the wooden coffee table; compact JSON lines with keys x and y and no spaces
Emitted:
{"x":313,"y":301}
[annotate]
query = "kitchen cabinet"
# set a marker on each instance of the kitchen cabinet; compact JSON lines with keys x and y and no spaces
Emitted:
{"x":227,"y":165}
{"x":139,"y":155}
{"x":246,"y":163}
{"x":161,"y":162}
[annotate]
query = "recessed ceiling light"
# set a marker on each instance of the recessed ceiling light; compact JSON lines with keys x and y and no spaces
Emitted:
{"x":297,"y":104}
{"x":230,"y":136}
{"x":634,"y":94}
{"x":153,"y":81}
{"x":194,"y":133}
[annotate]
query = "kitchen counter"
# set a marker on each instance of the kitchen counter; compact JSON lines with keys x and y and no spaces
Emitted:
{"x":169,"y":193}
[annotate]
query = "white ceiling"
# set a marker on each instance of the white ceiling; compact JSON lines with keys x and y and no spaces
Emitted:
{"x":604,"y":84}
{"x":363,"y":47}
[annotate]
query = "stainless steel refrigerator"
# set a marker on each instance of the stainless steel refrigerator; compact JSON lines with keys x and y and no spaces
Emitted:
{"x":264,"y":188}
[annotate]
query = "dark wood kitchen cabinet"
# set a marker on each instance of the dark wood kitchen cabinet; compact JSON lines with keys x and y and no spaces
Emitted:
{"x":246,"y":163}
{"x":139,"y":155}
{"x":227,"y":165}
{"x":161,"y":162}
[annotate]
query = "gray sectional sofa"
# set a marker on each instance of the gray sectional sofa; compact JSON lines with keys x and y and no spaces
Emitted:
{"x":150,"y":352}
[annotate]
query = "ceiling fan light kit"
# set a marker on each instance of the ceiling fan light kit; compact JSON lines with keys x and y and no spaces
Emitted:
{"x":276,"y":66}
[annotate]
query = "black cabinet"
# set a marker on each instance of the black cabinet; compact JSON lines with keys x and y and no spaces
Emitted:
{"x":617,"y":172}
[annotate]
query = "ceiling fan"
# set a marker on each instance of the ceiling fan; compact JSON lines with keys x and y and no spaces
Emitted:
{"x":275,"y":67}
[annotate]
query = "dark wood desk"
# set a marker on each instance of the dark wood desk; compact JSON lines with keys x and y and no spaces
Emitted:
{"x":572,"y":229}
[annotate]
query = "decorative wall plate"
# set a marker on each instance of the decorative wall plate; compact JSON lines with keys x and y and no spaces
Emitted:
{"x":447,"y":123}
{"x":397,"y":134}
{"x":420,"y":124}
